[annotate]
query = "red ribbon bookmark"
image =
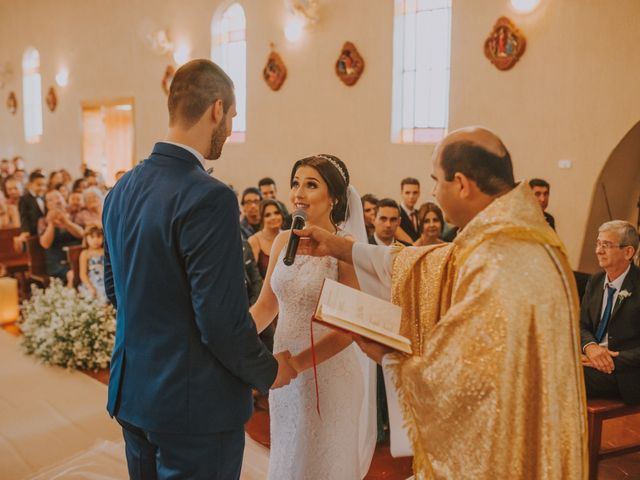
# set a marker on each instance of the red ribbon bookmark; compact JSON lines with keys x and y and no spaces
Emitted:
{"x":315,"y":370}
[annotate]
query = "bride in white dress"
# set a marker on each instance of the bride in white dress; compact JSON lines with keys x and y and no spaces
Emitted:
{"x":338,"y":444}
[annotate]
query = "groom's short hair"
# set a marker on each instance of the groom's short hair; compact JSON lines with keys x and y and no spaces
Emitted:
{"x":194,"y":88}
{"x":492,"y":173}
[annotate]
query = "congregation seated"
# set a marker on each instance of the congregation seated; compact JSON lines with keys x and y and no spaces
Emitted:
{"x":609,"y":317}
{"x":9,"y":215}
{"x":386,"y":223}
{"x":409,"y":228}
{"x":32,"y":205}
{"x":250,"y":203}
{"x":271,"y":220}
{"x":431,"y":223}
{"x":369,"y":209}
{"x":12,"y":190}
{"x":75,"y":204}
{"x":56,"y":231}
{"x":268,"y":190}
{"x":91,"y":214}
{"x":541,"y":189}
{"x":92,"y":263}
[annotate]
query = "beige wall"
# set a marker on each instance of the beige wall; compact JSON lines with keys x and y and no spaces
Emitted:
{"x":572,"y":96}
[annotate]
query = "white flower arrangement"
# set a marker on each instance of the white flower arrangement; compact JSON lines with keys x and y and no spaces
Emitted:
{"x":62,"y":327}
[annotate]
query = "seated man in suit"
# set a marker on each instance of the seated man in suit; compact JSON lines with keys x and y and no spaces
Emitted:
{"x":541,"y":190}
{"x":386,"y":223}
{"x":409,"y":228}
{"x":31,"y":204}
{"x":610,"y":317}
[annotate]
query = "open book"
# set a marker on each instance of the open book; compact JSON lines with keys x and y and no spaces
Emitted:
{"x":349,"y":309}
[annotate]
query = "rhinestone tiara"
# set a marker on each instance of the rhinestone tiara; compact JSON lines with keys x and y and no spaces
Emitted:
{"x":335,"y":164}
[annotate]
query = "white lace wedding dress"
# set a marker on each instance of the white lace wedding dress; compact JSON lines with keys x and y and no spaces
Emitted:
{"x":338,"y":444}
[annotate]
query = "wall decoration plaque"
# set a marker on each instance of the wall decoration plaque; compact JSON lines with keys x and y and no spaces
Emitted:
{"x":12,"y":103}
{"x":275,"y":71}
{"x":350,"y":64}
{"x":52,"y":99}
{"x":505,"y":44}
{"x":169,"y":72}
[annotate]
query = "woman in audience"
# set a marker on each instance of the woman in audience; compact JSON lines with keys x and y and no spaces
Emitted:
{"x":431,"y":222}
{"x":91,"y":214}
{"x":12,"y":191}
{"x":55,"y":179}
{"x":56,"y":232}
{"x":9,"y":215}
{"x":271,"y":218}
{"x":79,"y":185}
{"x":92,"y":263}
{"x":62,"y":188}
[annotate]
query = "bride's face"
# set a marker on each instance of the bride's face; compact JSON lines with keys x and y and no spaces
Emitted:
{"x":310,"y":192}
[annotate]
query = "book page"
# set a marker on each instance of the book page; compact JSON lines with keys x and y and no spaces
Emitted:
{"x":345,"y":302}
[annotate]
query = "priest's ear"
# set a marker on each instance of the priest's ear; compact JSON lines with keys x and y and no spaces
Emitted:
{"x":464,"y":185}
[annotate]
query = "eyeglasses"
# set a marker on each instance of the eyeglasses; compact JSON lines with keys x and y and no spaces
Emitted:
{"x":608,"y":245}
{"x":251,"y":202}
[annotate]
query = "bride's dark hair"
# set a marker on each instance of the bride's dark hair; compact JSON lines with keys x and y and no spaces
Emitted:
{"x":333,"y":176}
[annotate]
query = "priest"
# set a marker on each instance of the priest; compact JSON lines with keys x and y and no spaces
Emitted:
{"x":494,"y":388}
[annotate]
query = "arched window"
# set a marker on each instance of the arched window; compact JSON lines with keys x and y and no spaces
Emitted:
{"x":229,"y":50}
{"x":32,"y":95}
{"x":421,"y":66}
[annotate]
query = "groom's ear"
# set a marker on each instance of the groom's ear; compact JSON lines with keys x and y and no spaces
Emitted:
{"x":217,"y":111}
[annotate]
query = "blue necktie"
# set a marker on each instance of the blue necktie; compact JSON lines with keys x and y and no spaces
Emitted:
{"x":602,"y":326}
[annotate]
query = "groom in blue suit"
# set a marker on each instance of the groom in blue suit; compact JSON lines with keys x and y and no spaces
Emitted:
{"x":186,"y":353}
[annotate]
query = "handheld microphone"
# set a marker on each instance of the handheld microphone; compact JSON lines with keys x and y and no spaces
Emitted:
{"x":298,"y":218}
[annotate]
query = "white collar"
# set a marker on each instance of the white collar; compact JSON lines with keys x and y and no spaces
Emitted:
{"x":189,"y":149}
{"x":379,"y":241}
{"x":406,"y":209}
{"x":617,"y":283}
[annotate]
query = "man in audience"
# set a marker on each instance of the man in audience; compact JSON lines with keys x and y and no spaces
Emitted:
{"x":250,"y":202}
{"x":268,"y":189}
{"x":31,"y":204}
{"x":410,"y":191}
{"x":610,"y":317}
{"x":75,"y":205}
{"x":369,"y":208}
{"x":20,"y":176}
{"x":541,"y":190}
{"x":386,"y":223}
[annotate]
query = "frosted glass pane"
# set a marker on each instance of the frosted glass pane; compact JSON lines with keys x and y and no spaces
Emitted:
{"x":409,"y":42}
{"x":32,"y":98}
{"x":422,"y":104}
{"x":233,"y":18}
{"x":438,"y":99}
{"x":408,"y":99}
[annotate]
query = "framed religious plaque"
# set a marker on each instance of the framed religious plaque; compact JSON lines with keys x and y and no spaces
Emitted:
{"x":52,"y":99}
{"x":275,"y":71}
{"x":350,"y":64}
{"x":505,"y":44}
{"x":12,"y":103}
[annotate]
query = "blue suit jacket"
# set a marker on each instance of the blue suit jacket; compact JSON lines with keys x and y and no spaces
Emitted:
{"x":186,"y":351}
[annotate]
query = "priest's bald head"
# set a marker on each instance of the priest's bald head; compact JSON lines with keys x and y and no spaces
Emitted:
{"x":471,"y":167}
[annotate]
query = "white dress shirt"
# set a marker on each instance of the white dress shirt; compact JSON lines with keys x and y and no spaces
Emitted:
{"x":617,"y":284}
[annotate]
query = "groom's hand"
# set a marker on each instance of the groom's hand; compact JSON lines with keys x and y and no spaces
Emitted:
{"x":286,"y":372}
{"x":374,"y":350}
{"x":318,"y":242}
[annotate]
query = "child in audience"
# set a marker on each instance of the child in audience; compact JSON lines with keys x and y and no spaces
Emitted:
{"x":92,"y":263}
